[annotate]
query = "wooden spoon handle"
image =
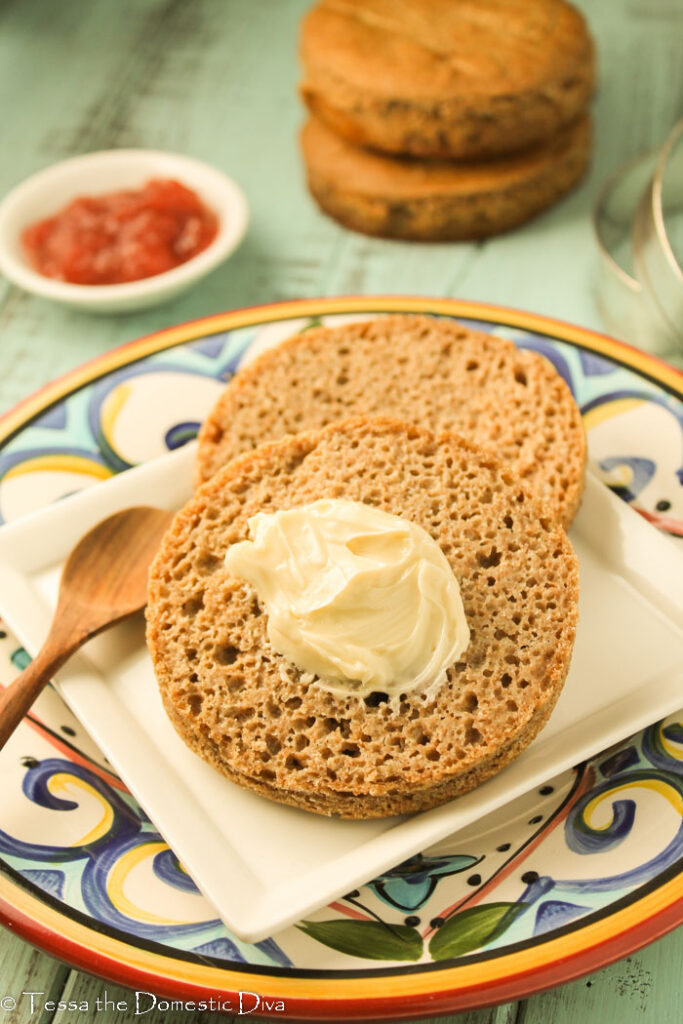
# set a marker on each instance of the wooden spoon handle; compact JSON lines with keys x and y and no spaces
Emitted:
{"x":18,"y":697}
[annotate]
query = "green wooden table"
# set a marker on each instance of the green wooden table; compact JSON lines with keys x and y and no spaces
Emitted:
{"x":217,"y":79}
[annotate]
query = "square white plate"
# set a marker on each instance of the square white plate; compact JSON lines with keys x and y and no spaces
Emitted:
{"x":262,"y":865}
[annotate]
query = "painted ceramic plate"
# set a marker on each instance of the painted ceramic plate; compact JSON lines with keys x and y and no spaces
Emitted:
{"x":628,"y":638}
{"x":578,"y":872}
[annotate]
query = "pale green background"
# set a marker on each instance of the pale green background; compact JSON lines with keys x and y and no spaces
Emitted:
{"x":217,"y":79}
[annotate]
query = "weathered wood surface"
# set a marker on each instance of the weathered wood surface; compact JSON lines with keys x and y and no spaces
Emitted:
{"x":217,"y":79}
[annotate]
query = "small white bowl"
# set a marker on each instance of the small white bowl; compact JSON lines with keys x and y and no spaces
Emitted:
{"x":47,"y":192}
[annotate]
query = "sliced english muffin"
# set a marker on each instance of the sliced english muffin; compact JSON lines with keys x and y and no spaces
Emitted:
{"x":428,"y":370}
{"x":439,"y":201}
{"x":268,"y":726}
{"x":441,"y":79}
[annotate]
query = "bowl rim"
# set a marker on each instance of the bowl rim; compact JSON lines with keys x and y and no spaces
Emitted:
{"x":674,"y":139}
{"x":228,"y":197}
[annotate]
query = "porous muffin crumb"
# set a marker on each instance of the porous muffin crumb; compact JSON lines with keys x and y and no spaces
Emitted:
{"x":267,"y":726}
{"x":432,"y":371}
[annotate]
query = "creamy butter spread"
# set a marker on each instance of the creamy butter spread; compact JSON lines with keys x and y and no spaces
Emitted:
{"x":363,"y":599}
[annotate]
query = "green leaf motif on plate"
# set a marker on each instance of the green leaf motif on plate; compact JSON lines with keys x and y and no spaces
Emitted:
{"x":367,"y":939}
{"x":471,"y":929}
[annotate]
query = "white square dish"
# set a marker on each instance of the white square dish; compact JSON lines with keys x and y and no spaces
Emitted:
{"x":263,"y":865}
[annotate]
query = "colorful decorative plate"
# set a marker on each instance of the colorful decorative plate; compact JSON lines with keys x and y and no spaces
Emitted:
{"x":575,"y":874}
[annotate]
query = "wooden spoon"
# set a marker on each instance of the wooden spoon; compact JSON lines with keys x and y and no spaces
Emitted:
{"x":103,"y":581}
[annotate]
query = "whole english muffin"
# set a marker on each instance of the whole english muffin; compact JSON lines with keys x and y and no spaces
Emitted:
{"x":428,"y":370}
{"x":461,"y":79}
{"x":439,"y":201}
{"x":251,"y":714}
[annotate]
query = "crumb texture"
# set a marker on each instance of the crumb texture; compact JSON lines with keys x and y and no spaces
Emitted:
{"x":265,"y":725}
{"x":430,"y":371}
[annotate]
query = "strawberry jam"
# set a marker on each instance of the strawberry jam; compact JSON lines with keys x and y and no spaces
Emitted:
{"x":122,"y":236}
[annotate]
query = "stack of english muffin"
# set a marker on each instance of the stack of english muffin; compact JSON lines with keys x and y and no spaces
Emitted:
{"x":444,"y":119}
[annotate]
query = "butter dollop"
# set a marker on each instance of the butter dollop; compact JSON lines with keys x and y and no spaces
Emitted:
{"x":363,"y":599}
